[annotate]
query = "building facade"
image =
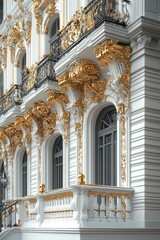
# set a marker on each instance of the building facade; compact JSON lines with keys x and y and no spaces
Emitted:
{"x":79,"y":119}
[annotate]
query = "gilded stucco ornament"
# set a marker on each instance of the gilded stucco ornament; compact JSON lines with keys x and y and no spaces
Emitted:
{"x":18,"y":30}
{"x":50,"y":10}
{"x":3,"y":51}
{"x":83,"y":78}
{"x":38,"y":15}
{"x":94,"y":90}
{"x":62,"y":100}
{"x":32,"y":77}
{"x":26,"y":123}
{"x":3,"y":134}
{"x":49,"y":122}
{"x":80,"y":23}
{"x":122,"y":117}
{"x":42,"y":188}
{"x":56,"y":97}
{"x":39,"y":7}
{"x":81,"y":72}
{"x":109,"y":51}
{"x":40,"y":109}
{"x":12,"y":138}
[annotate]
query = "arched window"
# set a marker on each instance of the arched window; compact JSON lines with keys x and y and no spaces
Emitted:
{"x":54,"y":27}
{"x":23,"y":64}
{"x":106,"y":147}
{"x":2,"y":188}
{"x":24,"y":175}
{"x":1,"y":11}
{"x":58,"y":163}
{"x":1,"y":84}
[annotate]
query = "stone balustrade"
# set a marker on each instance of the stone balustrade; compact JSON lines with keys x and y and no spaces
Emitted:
{"x":77,"y":204}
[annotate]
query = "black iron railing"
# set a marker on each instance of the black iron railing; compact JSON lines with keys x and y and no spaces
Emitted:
{"x":10,"y":98}
{"x":86,"y":20}
{"x":38,"y":74}
{"x":45,"y":70}
{"x":8,"y":214}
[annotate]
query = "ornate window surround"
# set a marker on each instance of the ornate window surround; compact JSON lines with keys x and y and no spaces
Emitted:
{"x":18,"y":158}
{"x":57,"y":163}
{"x":24,"y":174}
{"x":89,"y":140}
{"x":106,"y":147}
{"x":47,"y":172}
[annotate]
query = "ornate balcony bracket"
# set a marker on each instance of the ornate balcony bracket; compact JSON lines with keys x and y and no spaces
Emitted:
{"x":110,"y":51}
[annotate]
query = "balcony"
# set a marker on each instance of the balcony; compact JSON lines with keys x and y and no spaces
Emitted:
{"x":37,"y":75}
{"x":101,"y":205}
{"x":10,"y":99}
{"x":84,"y":21}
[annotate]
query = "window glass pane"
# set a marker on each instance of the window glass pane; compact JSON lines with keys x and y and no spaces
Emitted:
{"x":1,"y":11}
{"x":24,"y":175}
{"x":100,"y":166}
{"x":1,"y":84}
{"x":100,"y":141}
{"x":107,"y":139}
{"x":54,"y":28}
{"x":107,"y":173}
{"x":2,"y":189}
{"x":58,"y":163}
{"x":106,"y":147}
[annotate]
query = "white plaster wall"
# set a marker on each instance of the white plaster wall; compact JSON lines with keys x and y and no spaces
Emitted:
{"x":73,"y":158}
{"x":34,"y":165}
{"x":11,"y":234}
{"x":147,"y":8}
{"x":145,"y":135}
{"x":75,"y":234}
{"x":9,"y":186}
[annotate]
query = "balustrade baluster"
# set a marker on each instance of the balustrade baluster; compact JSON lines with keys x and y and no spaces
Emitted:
{"x":103,"y":205}
{"x":15,"y":213}
{"x":112,"y":207}
{"x":107,"y":207}
{"x":91,"y":204}
{"x":96,"y":205}
{"x":119,"y":206}
{"x":128,"y":206}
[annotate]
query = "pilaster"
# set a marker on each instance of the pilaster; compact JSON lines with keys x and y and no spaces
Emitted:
{"x":145,"y":130}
